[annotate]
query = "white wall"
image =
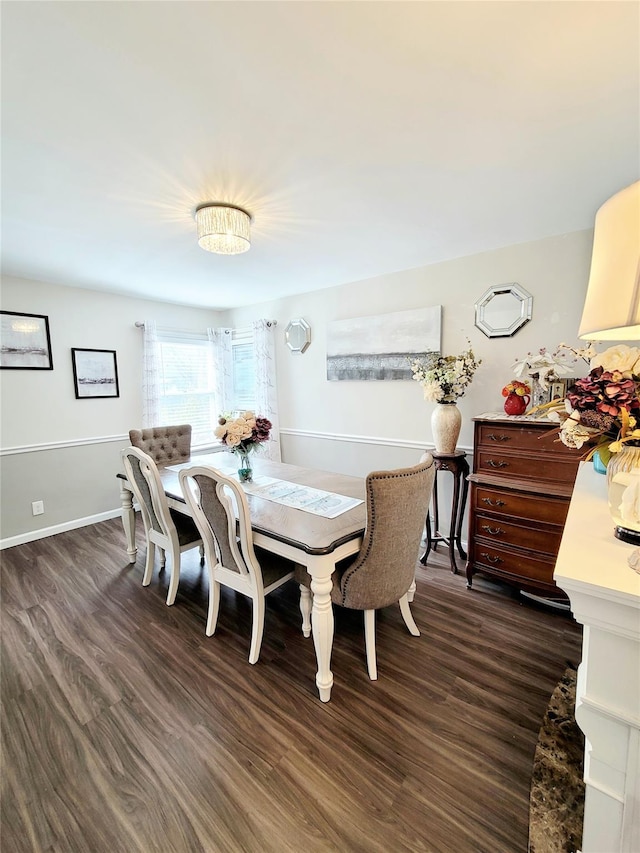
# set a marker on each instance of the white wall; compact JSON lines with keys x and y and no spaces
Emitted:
{"x":554,"y":271}
{"x":352,"y":427}
{"x":59,"y":449}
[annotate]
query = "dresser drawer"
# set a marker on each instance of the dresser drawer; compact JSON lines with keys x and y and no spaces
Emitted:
{"x":517,"y":437}
{"x":549,"y":468}
{"x":511,"y":564}
{"x":503,"y":502}
{"x":500,"y":531}
{"x":540,"y":437}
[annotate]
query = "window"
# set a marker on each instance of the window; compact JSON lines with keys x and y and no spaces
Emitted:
{"x":187,"y":383}
{"x":244,"y":372}
{"x":187,"y":380}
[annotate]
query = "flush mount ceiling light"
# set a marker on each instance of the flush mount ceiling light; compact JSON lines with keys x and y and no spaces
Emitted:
{"x":223,"y":228}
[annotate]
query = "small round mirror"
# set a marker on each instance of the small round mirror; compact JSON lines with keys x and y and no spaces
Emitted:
{"x":297,"y":335}
{"x":502,"y":310}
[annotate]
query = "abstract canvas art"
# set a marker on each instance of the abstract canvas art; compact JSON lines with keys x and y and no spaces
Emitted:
{"x":381,"y":347}
{"x":25,"y":343}
{"x":95,"y":373}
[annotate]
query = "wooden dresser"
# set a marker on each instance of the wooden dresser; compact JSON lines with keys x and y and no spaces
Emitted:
{"x":520,"y":490}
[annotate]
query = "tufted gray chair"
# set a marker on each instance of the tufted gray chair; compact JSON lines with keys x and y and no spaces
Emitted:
{"x":383,"y":571}
{"x":166,"y":445}
{"x":164,"y":527}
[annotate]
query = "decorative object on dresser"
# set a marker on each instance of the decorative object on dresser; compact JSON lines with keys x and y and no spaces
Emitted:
{"x":520,"y":490}
{"x":517,"y":397}
{"x":543,"y":368}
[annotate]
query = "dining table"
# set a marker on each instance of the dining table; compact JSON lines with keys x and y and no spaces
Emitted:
{"x":316,"y":541}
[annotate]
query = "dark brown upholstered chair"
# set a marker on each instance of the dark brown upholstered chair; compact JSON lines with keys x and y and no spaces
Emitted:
{"x":383,"y":571}
{"x":166,"y":445}
{"x":165,"y":527}
{"x":231,"y":557}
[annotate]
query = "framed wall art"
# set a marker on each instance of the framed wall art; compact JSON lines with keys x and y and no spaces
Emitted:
{"x":95,"y":373}
{"x":25,"y":343}
{"x":381,"y":347}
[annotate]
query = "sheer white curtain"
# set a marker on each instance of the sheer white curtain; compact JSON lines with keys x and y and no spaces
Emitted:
{"x":220,"y":340}
{"x":150,"y":375}
{"x":266,"y":386}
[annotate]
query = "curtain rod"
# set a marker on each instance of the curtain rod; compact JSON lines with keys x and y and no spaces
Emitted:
{"x":140,"y":325}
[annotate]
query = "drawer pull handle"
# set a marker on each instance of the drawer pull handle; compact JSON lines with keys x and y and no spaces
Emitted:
{"x":493,"y":560}
{"x":489,"y":502}
{"x":494,"y":531}
{"x":499,"y":464}
{"x":498,"y":437}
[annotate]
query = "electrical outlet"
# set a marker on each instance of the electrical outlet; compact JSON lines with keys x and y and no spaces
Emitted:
{"x":37,"y":507}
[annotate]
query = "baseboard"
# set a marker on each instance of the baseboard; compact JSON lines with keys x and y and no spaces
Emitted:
{"x":43,"y":532}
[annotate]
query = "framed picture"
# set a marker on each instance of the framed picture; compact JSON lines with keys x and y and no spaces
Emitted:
{"x":95,"y":373}
{"x":25,"y":343}
{"x":558,"y":389}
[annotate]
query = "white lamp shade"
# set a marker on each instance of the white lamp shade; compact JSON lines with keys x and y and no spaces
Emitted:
{"x":612,"y":307}
{"x":223,"y":228}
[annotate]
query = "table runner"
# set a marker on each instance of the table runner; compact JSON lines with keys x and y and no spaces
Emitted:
{"x":305,"y":498}
{"x":316,"y":501}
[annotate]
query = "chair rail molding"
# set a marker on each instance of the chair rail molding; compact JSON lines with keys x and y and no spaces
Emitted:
{"x":61,"y":445}
{"x":364,"y":439}
{"x":82,"y":442}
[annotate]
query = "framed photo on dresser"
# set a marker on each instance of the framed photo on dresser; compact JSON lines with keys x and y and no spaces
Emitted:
{"x":558,"y":389}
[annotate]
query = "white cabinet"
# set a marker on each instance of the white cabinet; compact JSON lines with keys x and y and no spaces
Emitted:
{"x":605,"y":598}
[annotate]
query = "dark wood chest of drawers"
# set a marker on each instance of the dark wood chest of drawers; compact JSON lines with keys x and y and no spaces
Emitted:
{"x":520,"y":489}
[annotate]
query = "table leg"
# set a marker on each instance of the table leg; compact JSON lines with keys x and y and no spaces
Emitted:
{"x":129,"y":522}
{"x":320,"y":569}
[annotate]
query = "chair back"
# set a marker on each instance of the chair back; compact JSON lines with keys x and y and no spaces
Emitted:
{"x":166,"y":445}
{"x":397,"y":506}
{"x":213,"y":499}
{"x":142,"y":474}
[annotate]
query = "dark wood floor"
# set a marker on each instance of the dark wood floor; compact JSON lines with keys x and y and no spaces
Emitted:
{"x":126,"y":729}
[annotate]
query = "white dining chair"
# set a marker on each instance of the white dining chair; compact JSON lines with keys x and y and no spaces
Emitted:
{"x":166,"y":528}
{"x":213,"y":499}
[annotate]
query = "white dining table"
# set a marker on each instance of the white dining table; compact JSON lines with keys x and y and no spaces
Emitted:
{"x":314,"y":541}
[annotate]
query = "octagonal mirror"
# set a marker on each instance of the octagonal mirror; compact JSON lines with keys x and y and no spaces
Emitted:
{"x":297,"y":335}
{"x":502,"y":310}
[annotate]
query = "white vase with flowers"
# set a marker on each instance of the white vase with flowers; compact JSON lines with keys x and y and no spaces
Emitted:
{"x":444,"y":379}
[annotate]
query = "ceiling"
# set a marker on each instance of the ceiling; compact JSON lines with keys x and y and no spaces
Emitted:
{"x":363,"y":137}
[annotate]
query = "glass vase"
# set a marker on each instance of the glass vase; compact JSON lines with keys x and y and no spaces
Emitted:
{"x":245,"y":472}
{"x":538,"y":393}
{"x":623,"y":485}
